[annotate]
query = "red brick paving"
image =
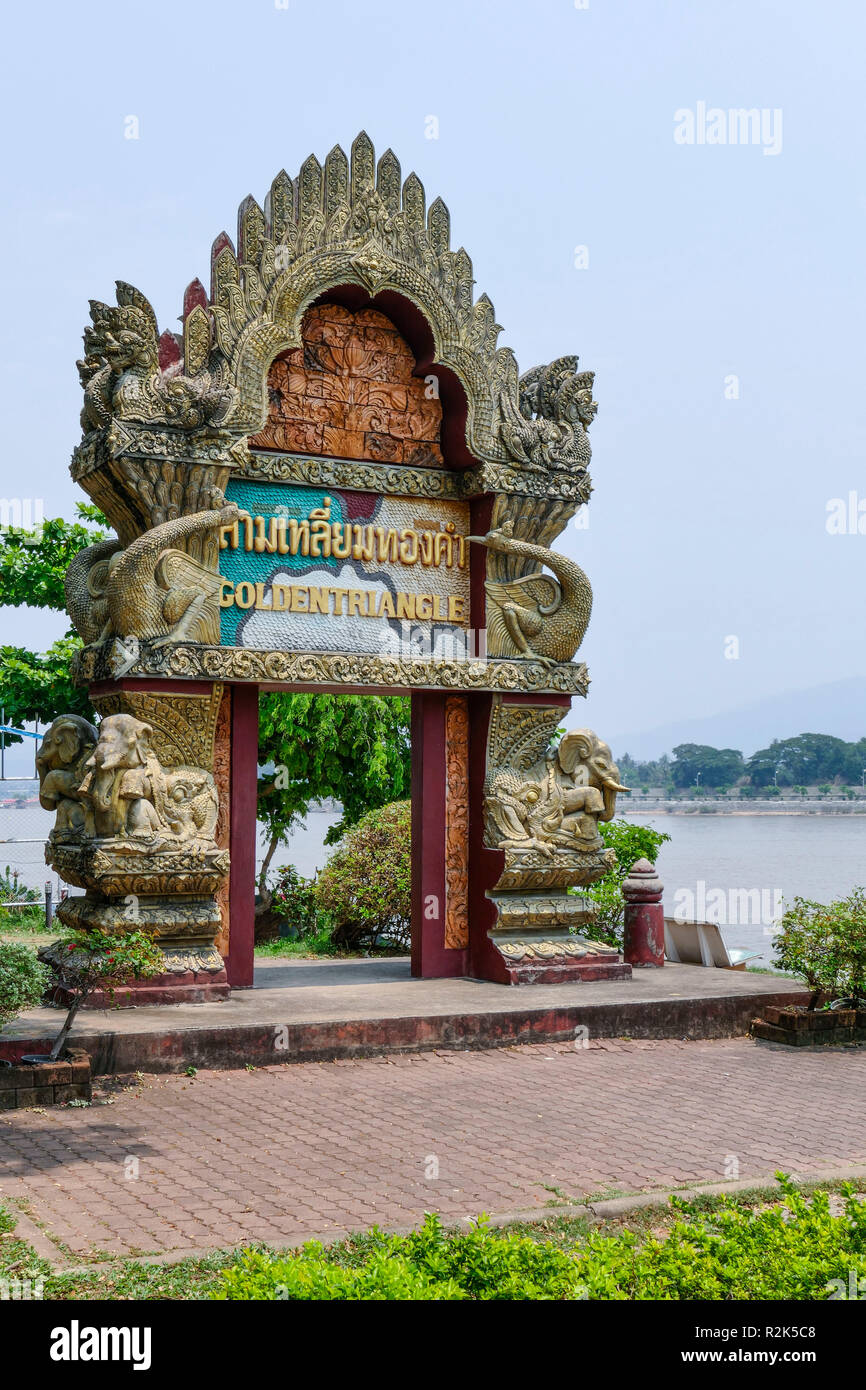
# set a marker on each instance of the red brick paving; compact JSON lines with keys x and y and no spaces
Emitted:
{"x":285,"y":1153}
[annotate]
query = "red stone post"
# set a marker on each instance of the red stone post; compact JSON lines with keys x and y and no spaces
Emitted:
{"x":243,"y":834}
{"x":432,"y":957}
{"x":644,"y":935}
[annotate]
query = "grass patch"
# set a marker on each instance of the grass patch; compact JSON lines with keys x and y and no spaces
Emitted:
{"x":18,"y":1260}
{"x":192,"y":1279}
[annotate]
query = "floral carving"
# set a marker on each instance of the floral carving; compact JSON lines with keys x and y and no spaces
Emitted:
{"x":456,"y":822}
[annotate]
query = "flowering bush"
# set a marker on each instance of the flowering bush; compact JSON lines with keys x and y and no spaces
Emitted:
{"x":365,"y":887}
{"x":293,"y":900}
{"x":86,"y":961}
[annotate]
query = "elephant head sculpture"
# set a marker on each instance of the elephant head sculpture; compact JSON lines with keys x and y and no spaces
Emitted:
{"x":589,"y":762}
{"x":63,"y":753}
{"x":125,"y":786}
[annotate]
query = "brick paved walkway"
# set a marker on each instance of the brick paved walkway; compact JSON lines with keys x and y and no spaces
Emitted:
{"x":285,"y":1153}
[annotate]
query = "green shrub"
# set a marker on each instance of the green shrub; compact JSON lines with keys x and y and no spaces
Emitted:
{"x":825,"y":945}
{"x":365,"y":887}
{"x":630,"y":843}
{"x":790,"y":1250}
{"x":428,"y":1264}
{"x":23,"y":980}
{"x":793,"y":1249}
{"x":294,"y":902}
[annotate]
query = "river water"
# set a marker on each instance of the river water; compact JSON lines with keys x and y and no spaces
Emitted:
{"x":738,"y":870}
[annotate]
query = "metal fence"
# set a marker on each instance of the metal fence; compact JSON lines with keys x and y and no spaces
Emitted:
{"x":24,"y":828}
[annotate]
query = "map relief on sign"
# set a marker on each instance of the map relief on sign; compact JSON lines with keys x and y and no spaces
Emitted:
{"x":304,"y":569}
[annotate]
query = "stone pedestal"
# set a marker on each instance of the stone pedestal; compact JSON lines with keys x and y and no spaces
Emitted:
{"x":644,"y":933}
{"x":542,"y":804}
{"x":136,"y":829}
{"x":538,"y":935}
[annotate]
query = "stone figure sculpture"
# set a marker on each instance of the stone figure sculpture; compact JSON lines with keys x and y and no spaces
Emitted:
{"x":125,"y":793}
{"x":63,"y":753}
{"x":556,"y":804}
{"x":124,"y":787}
{"x":137,"y":826}
{"x":543,"y":802}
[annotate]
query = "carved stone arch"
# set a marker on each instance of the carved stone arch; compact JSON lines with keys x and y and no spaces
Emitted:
{"x":218,"y":574}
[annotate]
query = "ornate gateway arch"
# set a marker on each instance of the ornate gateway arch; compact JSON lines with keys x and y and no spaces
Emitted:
{"x":332,"y":479}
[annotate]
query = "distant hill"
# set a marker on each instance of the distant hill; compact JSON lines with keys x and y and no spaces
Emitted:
{"x":838,"y":708}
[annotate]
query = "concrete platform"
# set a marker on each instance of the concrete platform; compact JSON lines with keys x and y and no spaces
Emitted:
{"x":303,"y":1011}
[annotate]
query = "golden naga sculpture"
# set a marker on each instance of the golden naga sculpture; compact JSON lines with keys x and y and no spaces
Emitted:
{"x":151,"y":589}
{"x":536,"y":615}
{"x":121,"y":376}
{"x":555,"y":805}
{"x":554,"y":411}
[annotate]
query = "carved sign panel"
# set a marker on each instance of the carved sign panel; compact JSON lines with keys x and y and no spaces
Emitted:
{"x":308,"y":570}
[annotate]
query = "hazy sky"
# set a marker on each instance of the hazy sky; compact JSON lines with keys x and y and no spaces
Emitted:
{"x":556,"y":130}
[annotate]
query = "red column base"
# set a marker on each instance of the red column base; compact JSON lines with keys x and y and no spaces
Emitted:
{"x":187,"y":987}
{"x":644,"y":929}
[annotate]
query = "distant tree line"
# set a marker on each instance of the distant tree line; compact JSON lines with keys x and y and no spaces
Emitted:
{"x":808,"y":760}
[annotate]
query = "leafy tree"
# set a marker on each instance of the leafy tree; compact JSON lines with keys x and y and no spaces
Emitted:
{"x":36,"y":685}
{"x":355,"y":749}
{"x":655,"y":773}
{"x":711,"y":767}
{"x":807,"y":759}
{"x":33,"y":563}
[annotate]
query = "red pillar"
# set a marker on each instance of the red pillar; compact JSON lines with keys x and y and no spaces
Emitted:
{"x":644,"y":933}
{"x":243,"y":835}
{"x":430,"y":956}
